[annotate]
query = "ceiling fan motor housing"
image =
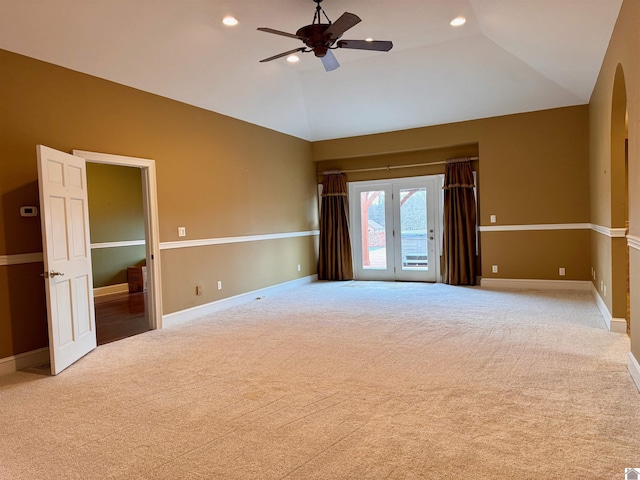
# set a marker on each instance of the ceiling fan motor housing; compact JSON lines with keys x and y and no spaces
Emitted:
{"x":315,"y":38}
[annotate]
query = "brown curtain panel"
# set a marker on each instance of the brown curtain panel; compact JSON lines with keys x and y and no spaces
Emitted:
{"x":459,"y":223}
{"x":334,"y":259}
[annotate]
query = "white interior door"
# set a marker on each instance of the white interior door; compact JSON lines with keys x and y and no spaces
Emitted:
{"x":67,"y":256}
{"x":396,"y":229}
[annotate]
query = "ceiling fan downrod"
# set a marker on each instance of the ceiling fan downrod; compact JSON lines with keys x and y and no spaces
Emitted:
{"x":317,"y":18}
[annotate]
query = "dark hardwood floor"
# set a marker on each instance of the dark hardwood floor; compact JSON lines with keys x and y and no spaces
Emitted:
{"x":120,"y":316}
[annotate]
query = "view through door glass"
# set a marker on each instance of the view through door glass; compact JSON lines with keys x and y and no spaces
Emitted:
{"x":398,"y":229}
{"x":373,"y":229}
{"x":414,"y":254}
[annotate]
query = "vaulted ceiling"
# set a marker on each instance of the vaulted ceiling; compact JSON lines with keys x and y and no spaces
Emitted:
{"x":510,"y":56}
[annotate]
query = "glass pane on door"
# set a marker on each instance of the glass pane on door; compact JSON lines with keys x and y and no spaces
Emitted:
{"x":413,"y":229}
{"x":373,"y":230}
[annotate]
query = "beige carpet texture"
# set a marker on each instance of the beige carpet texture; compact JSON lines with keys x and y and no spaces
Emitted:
{"x":341,"y":380}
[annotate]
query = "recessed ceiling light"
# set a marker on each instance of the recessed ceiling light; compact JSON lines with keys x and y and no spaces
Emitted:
{"x":229,"y":21}
{"x":369,"y":39}
{"x":293,"y":58}
{"x":456,"y":22}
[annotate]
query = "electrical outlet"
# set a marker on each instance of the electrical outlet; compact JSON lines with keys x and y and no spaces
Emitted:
{"x":219,"y":284}
{"x":605,"y":291}
{"x":561,"y":271}
{"x":494,"y":268}
{"x":492,"y":218}
{"x":198,"y":289}
{"x":298,"y":267}
{"x":182,"y":231}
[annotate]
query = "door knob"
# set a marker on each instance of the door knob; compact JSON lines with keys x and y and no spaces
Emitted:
{"x":51,"y":274}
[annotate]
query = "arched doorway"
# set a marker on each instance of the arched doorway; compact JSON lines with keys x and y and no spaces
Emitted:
{"x":620,"y":198}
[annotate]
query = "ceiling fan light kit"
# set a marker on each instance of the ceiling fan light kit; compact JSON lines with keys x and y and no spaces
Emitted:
{"x":321,"y":38}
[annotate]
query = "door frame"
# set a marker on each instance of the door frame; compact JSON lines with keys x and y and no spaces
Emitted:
{"x":152,"y":232}
{"x":391,"y":184}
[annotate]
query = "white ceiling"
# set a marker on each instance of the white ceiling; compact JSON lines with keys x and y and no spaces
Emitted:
{"x":511,"y":56}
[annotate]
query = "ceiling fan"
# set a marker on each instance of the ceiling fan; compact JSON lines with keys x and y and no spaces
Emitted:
{"x":320,"y":38}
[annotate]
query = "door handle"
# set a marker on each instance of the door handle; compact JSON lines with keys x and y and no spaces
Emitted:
{"x":51,"y":274}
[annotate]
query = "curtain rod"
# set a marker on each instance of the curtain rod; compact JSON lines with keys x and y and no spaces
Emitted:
{"x":388,"y":167}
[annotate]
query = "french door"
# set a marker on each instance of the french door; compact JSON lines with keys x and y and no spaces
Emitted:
{"x":396,"y":229}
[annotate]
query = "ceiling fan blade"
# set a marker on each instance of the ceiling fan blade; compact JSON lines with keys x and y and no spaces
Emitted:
{"x":378,"y":45}
{"x":278,"y":32}
{"x":284,"y":54}
{"x":329,"y":61}
{"x":344,"y":23}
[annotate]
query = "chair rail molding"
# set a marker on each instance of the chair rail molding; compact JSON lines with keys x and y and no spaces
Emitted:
{"x":609,"y":232}
{"x":20,"y":258}
{"x":224,"y":240}
{"x":531,"y":227}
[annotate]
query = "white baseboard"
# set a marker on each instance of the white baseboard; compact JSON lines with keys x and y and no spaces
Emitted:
{"x":634,"y":369}
{"x":616,"y":325}
{"x":111,"y":289}
{"x":520,"y":283}
{"x":182,"y":316}
{"x":24,"y":360}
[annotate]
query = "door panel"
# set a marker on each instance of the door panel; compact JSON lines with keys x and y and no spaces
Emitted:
{"x":67,"y":257}
{"x":78,"y":228}
{"x":85,"y":317}
{"x":416,"y":212}
{"x":62,"y":298}
{"x":399,"y":229}
{"x":372,"y":241}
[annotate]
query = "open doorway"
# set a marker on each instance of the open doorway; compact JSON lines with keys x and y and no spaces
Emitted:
{"x":118,"y":251}
{"x":126,"y":306}
{"x":620,"y":199}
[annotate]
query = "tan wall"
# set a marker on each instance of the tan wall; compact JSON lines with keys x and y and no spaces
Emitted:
{"x":23,"y":321}
{"x":607,"y":185}
{"x":217,"y":176}
{"x":533,"y":169}
{"x":206,"y":266}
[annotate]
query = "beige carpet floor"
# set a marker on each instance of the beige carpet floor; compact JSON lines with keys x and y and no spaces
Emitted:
{"x":355,"y":380}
